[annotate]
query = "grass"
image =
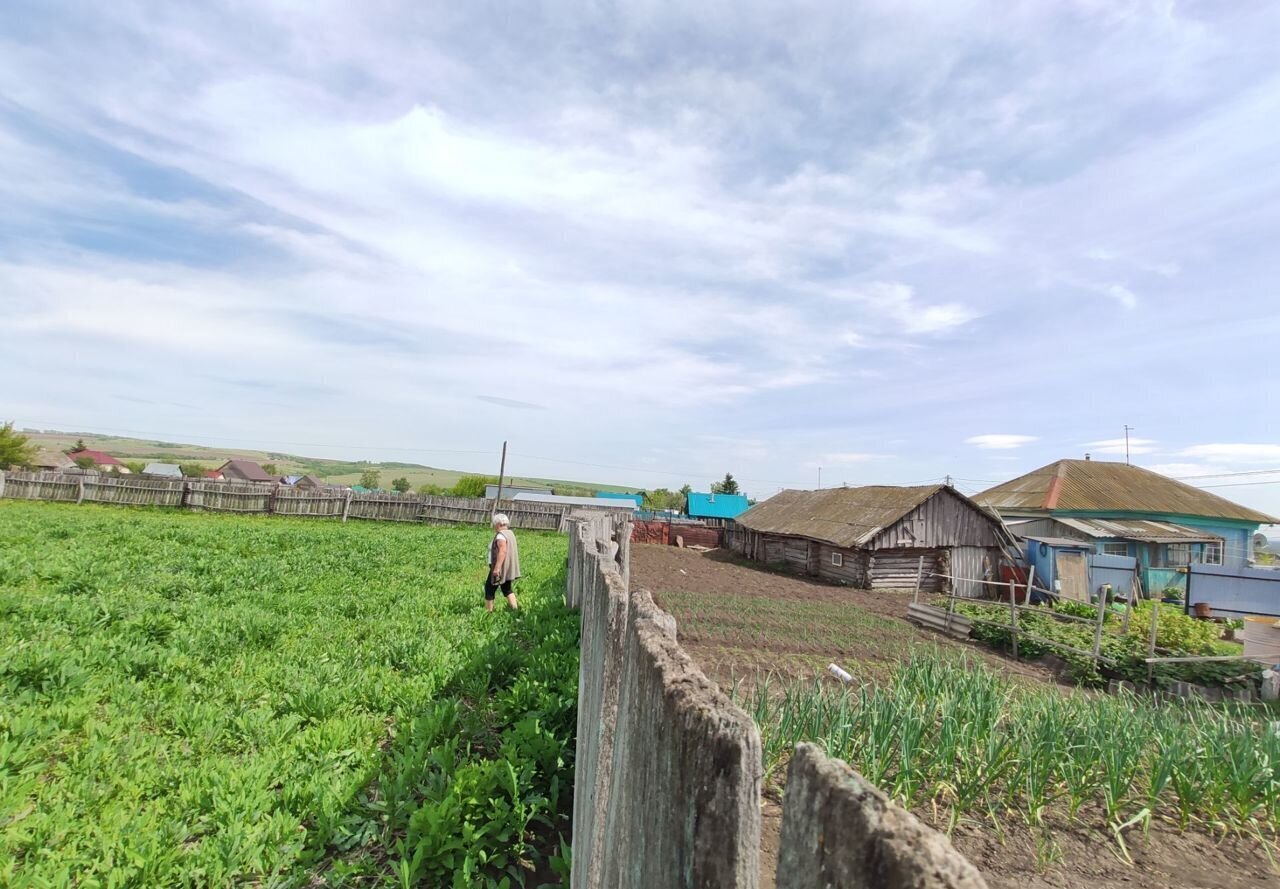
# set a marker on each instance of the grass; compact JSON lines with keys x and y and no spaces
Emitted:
{"x":189,"y":699}
{"x":948,"y":734}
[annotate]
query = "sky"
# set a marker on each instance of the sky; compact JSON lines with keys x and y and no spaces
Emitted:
{"x":650,"y":243}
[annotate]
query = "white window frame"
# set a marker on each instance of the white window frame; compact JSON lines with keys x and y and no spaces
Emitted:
{"x":1214,"y":547}
{"x":1123,"y":547}
{"x":837,"y":559}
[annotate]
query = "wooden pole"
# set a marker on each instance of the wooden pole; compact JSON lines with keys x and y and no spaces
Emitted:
{"x":1134,"y":589}
{"x":1097,"y":629}
{"x":1151,"y":643}
{"x":79,"y":490}
{"x":919,"y":579}
{"x":502,"y":475}
{"x":346,"y":506}
{"x":1031,"y":579}
{"x":1013,"y":616}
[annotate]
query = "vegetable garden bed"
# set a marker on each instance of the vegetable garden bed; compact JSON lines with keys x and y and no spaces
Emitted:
{"x":211,"y":700}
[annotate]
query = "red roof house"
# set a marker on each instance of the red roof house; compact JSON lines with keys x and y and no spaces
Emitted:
{"x":99,"y":458}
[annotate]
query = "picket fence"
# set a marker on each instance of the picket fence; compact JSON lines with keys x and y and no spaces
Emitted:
{"x":264,"y":499}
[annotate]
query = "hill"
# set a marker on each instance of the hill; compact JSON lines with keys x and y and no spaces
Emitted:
{"x":338,"y":472}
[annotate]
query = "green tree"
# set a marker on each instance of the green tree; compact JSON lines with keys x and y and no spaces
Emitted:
{"x":473,"y":485}
{"x":15,"y":448}
{"x":191,"y":470}
{"x":270,"y":469}
{"x":78,"y":446}
{"x":433,"y":490}
{"x":135,"y":466}
{"x":661,"y":498}
{"x":401,"y":485}
{"x":369,"y":479}
{"x":85,"y":462}
{"x":728,"y":486}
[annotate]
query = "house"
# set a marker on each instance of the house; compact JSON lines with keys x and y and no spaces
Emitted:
{"x":244,"y":471}
{"x":163,"y":470}
{"x":562,"y":500}
{"x":213,"y":474}
{"x":47,"y":459}
{"x":637,"y":499}
{"x":716,"y":508}
{"x":877,"y":537}
{"x":1124,"y":510}
{"x":307,"y":482}
{"x":101,"y":460}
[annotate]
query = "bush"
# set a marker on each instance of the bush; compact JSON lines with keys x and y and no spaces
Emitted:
{"x":473,"y":485}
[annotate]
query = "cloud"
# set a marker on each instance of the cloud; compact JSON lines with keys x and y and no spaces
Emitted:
{"x":512,"y":403}
{"x":1234,"y":453}
{"x":1117,"y":446}
{"x":999,"y":441}
{"x":1121,"y":294}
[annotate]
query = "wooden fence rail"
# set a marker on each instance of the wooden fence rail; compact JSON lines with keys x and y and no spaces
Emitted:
{"x":263,"y":499}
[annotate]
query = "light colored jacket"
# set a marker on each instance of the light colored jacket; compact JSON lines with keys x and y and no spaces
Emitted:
{"x":511,"y":564}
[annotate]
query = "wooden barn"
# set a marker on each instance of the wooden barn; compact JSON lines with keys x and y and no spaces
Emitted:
{"x":873,"y":537}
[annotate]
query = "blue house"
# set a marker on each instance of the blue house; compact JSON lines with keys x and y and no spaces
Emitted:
{"x":716,"y":506}
{"x":1123,"y":510}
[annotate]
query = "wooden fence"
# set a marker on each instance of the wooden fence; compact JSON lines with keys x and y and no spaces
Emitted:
{"x":264,"y":499}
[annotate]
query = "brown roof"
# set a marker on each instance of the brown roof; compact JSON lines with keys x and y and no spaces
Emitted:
{"x":845,"y":517}
{"x":245,"y":469}
{"x":1101,"y":486}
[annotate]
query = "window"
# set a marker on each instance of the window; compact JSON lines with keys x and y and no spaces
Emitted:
{"x":1115,"y":549}
{"x":1177,"y":555}
{"x":1212,"y":554}
{"x":837,"y":559}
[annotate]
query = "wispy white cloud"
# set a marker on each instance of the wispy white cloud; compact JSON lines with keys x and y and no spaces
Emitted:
{"x":1000,"y":441}
{"x":1235,"y":453}
{"x":1135,"y":445}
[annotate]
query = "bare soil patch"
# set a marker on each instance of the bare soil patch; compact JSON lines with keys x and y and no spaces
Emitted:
{"x":740,"y":622}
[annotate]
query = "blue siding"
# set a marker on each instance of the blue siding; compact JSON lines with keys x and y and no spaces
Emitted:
{"x":717,"y":506}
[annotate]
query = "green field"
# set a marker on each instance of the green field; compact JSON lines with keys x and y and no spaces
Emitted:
{"x":204,"y":700}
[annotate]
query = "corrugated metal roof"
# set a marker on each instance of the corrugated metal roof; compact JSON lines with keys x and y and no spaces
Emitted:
{"x":1138,"y":529}
{"x":845,"y":517}
{"x":637,"y":499}
{"x":1099,"y":485}
{"x":716,"y":506}
{"x":246,"y":469}
{"x":591,"y":502}
{"x":169,"y":470}
{"x":1061,"y":542}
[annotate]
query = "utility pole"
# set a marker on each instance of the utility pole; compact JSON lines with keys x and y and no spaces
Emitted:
{"x":948,"y":481}
{"x":1127,"y":429}
{"x":502,"y":474}
{"x":819,"y":478}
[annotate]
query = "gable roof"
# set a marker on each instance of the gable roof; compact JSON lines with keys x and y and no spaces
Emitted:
{"x":246,"y":469}
{"x":845,"y":517}
{"x":99,"y":458}
{"x":716,"y":506}
{"x":53,"y":459}
{"x":1103,"y":486}
{"x":169,"y":470}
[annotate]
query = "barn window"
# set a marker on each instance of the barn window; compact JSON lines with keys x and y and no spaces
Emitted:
{"x":837,"y":559}
{"x":1115,"y":549}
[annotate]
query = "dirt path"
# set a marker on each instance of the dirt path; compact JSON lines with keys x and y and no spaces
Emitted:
{"x":740,"y":621}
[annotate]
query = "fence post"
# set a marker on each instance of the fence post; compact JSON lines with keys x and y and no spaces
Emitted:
{"x":919,"y":579}
{"x":1097,"y":630}
{"x":1013,"y":615}
{"x":1,"y":482}
{"x":1151,"y":644}
{"x":79,"y":490}
{"x":346,"y":506}
{"x":1134,"y":588}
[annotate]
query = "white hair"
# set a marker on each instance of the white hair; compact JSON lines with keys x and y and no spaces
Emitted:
{"x":500,"y":519}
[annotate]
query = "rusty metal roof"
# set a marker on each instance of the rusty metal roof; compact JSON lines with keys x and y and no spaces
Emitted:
{"x":1101,"y":486}
{"x":1140,"y":530}
{"x":846,"y":517}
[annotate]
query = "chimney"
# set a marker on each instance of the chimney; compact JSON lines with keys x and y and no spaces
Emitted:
{"x":1086,"y":456}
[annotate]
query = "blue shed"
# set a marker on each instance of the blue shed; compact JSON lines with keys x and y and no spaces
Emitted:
{"x":716,"y":506}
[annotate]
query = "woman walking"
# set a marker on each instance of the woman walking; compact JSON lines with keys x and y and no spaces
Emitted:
{"x":504,"y":563}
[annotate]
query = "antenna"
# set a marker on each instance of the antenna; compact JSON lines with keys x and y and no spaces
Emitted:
{"x":1127,"y":429}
